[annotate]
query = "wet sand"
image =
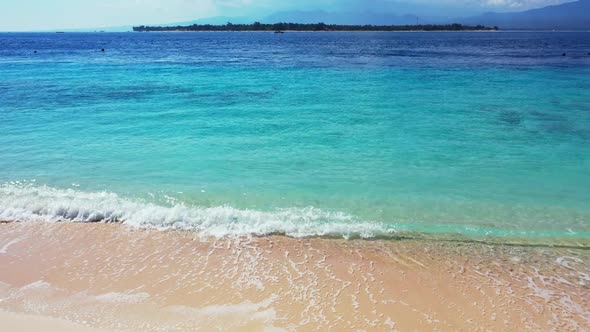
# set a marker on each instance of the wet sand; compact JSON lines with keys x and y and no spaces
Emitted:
{"x":113,"y":277}
{"x":28,"y":323}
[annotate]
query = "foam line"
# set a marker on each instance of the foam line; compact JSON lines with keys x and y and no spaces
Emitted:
{"x":45,"y":204}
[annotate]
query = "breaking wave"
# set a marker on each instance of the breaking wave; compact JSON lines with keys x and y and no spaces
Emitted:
{"x":45,"y":204}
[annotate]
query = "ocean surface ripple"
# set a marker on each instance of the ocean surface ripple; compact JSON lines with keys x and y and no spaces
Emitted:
{"x":477,"y":135}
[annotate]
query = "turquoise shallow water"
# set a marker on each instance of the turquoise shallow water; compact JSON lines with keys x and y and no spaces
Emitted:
{"x":343,"y":134}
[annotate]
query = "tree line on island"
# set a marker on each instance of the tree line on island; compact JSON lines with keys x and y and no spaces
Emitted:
{"x":257,"y":26}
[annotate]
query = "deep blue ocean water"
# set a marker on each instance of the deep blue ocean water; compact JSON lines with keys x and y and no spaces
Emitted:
{"x":479,"y":135}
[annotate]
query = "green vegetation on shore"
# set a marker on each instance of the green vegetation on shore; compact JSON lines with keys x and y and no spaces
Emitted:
{"x":257,"y":26}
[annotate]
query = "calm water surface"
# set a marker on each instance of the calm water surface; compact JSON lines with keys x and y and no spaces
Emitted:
{"x":480,"y":135}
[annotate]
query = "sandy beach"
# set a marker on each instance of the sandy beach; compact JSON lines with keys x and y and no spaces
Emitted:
{"x":28,"y":323}
{"x":113,"y":277}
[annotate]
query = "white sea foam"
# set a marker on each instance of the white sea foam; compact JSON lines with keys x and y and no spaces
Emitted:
{"x":132,"y":298}
{"x":39,"y":284}
{"x":5,"y":247}
{"x":39,"y":203}
{"x":247,"y":309}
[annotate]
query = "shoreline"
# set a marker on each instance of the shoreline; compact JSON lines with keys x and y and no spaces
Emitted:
{"x":290,"y":31}
{"x":576,"y":243}
{"x":307,"y":31}
{"x":115,"y":277}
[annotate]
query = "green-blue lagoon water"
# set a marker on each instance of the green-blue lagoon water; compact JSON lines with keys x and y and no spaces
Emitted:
{"x":469,"y":135}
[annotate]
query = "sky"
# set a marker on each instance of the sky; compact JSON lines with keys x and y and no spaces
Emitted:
{"x":30,"y":15}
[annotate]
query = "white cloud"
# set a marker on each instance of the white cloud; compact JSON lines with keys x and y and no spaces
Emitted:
{"x":520,"y":3}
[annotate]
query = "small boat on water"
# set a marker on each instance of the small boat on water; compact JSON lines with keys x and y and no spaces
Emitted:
{"x":279,"y":31}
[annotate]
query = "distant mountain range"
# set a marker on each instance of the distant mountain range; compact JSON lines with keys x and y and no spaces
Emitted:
{"x":217,"y":20}
{"x":348,"y":18}
{"x":567,"y":16}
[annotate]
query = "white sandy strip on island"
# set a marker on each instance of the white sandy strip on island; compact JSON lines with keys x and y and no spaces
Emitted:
{"x":12,"y":322}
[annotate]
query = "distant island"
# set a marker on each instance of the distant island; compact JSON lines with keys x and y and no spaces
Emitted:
{"x":279,"y":27}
